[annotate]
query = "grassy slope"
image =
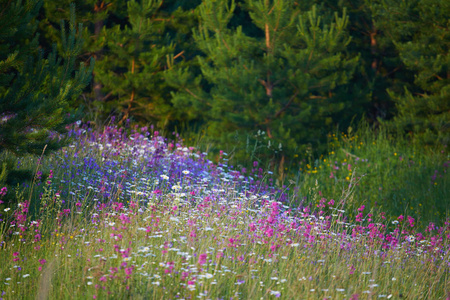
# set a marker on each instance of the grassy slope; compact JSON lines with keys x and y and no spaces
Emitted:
{"x":215,"y":233}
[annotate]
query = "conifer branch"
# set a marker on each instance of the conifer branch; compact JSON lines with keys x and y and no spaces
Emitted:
{"x":197,"y":97}
{"x":287,"y":105}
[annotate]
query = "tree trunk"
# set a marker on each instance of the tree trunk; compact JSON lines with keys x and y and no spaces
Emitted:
{"x":98,"y":26}
{"x":373,"y":49}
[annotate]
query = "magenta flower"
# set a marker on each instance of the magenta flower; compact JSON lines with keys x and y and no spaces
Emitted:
{"x":359,"y":217}
{"x":202,"y":258}
{"x":3,"y":191}
{"x":270,"y":220}
{"x":128,"y":271}
{"x":125,"y":219}
{"x":184,"y":275}
{"x":352,"y":269}
{"x":269,"y":232}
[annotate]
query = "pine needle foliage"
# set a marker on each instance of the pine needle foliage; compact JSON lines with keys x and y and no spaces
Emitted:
{"x":132,"y":70}
{"x":280,"y":82}
{"x":37,"y":91}
{"x":420,"y":32}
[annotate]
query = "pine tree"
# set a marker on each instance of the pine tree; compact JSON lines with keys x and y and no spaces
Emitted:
{"x":96,"y":15}
{"x":379,"y":67}
{"x":420,"y":32}
{"x":280,"y":81}
{"x":132,"y":70}
{"x":36,"y":91}
{"x":109,"y":23}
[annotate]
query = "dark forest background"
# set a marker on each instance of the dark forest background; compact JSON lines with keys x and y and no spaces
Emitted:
{"x":232,"y":71}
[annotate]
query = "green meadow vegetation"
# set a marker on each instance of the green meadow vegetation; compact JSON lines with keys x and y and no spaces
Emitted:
{"x":220,"y":149}
{"x":137,"y":216}
{"x":383,"y":172}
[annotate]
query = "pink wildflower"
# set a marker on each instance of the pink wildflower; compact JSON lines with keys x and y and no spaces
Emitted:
{"x":128,"y":271}
{"x":202,"y":258}
{"x":3,"y":191}
{"x":359,"y":217}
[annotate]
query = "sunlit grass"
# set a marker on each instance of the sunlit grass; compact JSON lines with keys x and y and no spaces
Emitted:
{"x":135,"y":216}
{"x":387,"y":174}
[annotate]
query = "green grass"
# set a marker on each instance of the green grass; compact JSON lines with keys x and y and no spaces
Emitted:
{"x":208,"y":235}
{"x":80,"y":254}
{"x":387,"y":174}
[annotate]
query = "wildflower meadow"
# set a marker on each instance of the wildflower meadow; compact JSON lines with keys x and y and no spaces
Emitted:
{"x":133,"y":215}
